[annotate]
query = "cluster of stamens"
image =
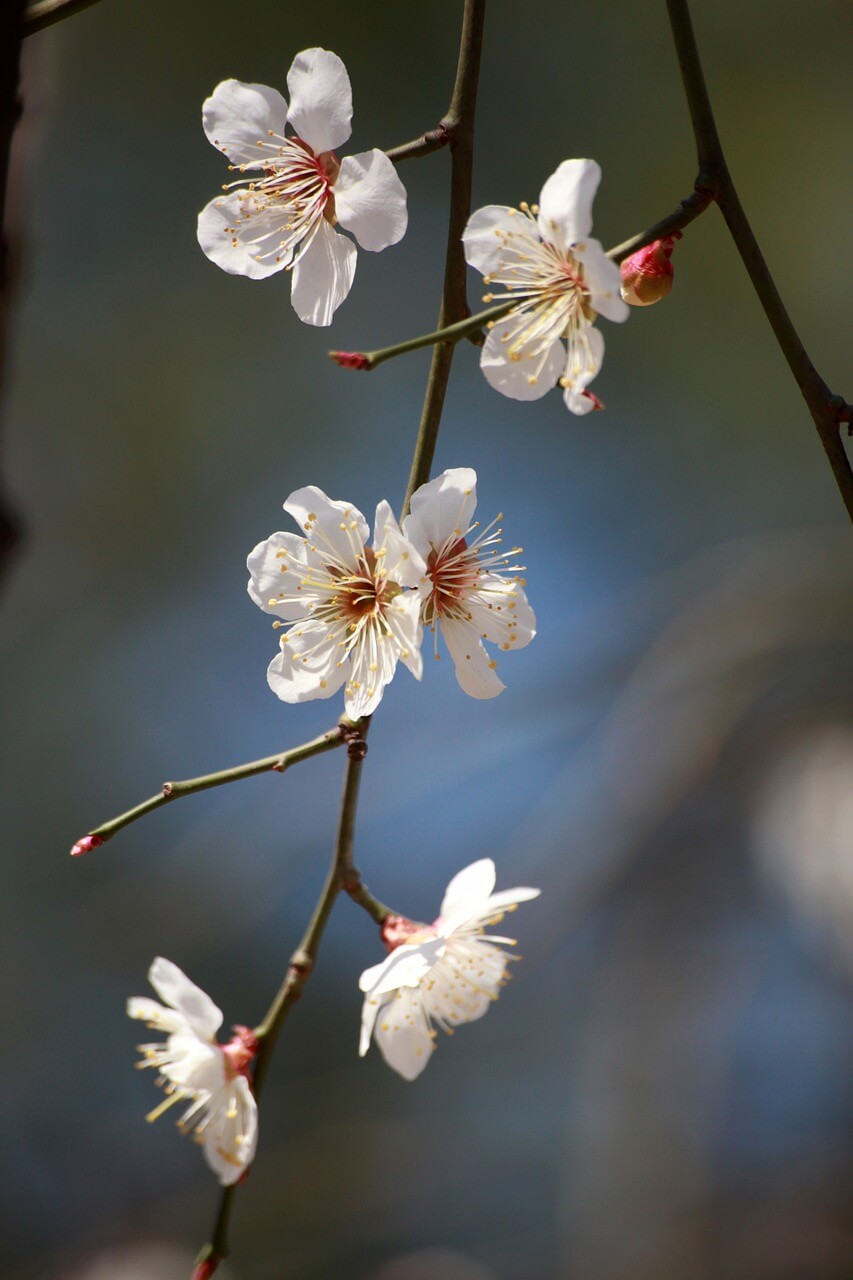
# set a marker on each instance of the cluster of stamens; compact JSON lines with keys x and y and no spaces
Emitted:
{"x":294,"y":185}
{"x":552,"y":298}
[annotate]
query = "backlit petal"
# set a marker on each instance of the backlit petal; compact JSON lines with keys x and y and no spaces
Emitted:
{"x":370,"y":200}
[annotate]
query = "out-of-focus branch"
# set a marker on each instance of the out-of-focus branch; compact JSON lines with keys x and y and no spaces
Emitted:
{"x":11,"y":36}
{"x":828,"y":410}
{"x":43,"y":13}
{"x":454,"y":306}
{"x":174,"y":790}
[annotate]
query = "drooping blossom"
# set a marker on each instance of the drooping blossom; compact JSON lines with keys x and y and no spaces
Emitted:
{"x":470,"y":589}
{"x":543,"y":256}
{"x":438,"y":975}
{"x":348,"y":609}
{"x":293,"y":191}
{"x":212,"y":1079}
{"x":647,"y":275}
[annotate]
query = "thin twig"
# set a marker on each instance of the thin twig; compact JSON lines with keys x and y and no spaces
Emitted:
{"x":828,"y":411}
{"x":175,"y":790}
{"x":11,"y":34}
{"x":341,"y":873}
{"x":43,"y":13}
{"x":432,"y":140}
{"x":454,"y":307}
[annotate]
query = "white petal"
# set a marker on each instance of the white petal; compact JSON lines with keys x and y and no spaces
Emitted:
{"x":406,"y":966}
{"x":584,"y":362}
{"x":277,"y":566}
{"x":475,"y":670}
{"x":500,"y":611}
{"x":602,"y":278}
{"x":403,"y":561}
{"x":404,"y":618}
{"x":565,"y":202}
{"x":467,"y":892}
{"x":174,"y":987}
{"x":196,"y":1066}
{"x":156,"y":1015}
{"x":487,"y":232}
{"x":498,"y":902}
{"x":528,"y":378}
{"x":231,"y":1135}
{"x":237,"y":116}
{"x":332,"y":527}
{"x":441,"y":509}
{"x":370,"y":200}
{"x":309,"y":665}
{"x":402,"y":1034}
{"x":373,"y":662}
{"x":323,"y":275}
{"x":369,"y":1010}
{"x":243,"y":246}
{"x":320,"y":99}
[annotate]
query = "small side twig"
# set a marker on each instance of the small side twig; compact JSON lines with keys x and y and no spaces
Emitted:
{"x":43,"y":13}
{"x":432,"y":140}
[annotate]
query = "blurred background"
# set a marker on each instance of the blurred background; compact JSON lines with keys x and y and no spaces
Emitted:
{"x":664,"y":1090}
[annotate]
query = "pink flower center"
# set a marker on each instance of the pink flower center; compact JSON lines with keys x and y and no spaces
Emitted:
{"x":397,"y":931}
{"x":239,"y":1052}
{"x":452,"y":571}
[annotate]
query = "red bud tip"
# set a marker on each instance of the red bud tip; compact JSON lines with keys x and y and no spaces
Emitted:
{"x":396,"y":930}
{"x":86,"y":845}
{"x":647,"y":275}
{"x":350,"y":359}
{"x":205,"y":1269}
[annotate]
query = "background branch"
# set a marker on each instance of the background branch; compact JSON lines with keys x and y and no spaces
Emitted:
{"x":828,"y":411}
{"x":45,"y":12}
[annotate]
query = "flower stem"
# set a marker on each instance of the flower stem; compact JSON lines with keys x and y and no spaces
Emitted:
{"x":174,"y":790}
{"x":827,"y":410}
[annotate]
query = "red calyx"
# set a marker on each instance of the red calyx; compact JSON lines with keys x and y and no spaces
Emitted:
{"x":396,"y":930}
{"x":240,"y":1050}
{"x":85,"y":845}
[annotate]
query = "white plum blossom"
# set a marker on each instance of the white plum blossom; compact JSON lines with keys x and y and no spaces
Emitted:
{"x":463,"y":591}
{"x":281,"y":213}
{"x":445,"y":973}
{"x":194,"y":1068}
{"x":543,"y":256}
{"x":349,"y":609}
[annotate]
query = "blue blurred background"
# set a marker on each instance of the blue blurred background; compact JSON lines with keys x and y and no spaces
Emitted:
{"x":664,"y":1088}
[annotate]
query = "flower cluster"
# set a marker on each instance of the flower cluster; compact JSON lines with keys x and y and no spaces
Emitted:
{"x":349,"y":611}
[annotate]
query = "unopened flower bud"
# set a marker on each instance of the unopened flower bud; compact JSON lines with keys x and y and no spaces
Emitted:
{"x":85,"y":845}
{"x":205,"y":1269}
{"x":647,"y":274}
{"x":350,"y":359}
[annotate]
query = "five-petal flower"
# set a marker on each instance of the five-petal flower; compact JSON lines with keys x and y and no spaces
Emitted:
{"x":543,"y":256}
{"x":293,"y":190}
{"x":348,"y":609}
{"x":194,"y":1068}
{"x":463,"y":593}
{"x":446,"y":973}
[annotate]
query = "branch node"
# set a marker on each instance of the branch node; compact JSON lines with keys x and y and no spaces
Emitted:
{"x":168,"y":788}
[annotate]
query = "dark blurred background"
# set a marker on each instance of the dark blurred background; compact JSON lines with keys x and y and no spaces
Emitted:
{"x":664,"y":1089}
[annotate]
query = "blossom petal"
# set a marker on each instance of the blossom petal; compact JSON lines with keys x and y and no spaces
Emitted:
{"x":475,"y":670}
{"x":584,"y":362}
{"x":442,"y":509}
{"x":174,"y":987}
{"x":403,"y":1035}
{"x":323,"y":275}
{"x":565,"y":202}
{"x":404,"y":619}
{"x":157,"y":1016}
{"x":372,"y":666}
{"x":497,"y":903}
{"x":195,"y":1065}
{"x":336,"y":530}
{"x":309,"y":664}
{"x":528,"y":378}
{"x":406,"y":966}
{"x":500,"y":611}
{"x":277,"y":566}
{"x":320,"y":99}
{"x":603,"y":279}
{"x":243,"y":246}
{"x":238,"y":117}
{"x":486,"y":234}
{"x":231,"y":1134}
{"x":370,"y":200}
{"x":467,"y":892}
{"x":403,"y":562}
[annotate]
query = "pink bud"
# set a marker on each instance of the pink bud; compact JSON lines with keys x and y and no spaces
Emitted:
{"x":205,"y":1269}
{"x":396,"y":930}
{"x":85,"y":845}
{"x":647,"y":274}
{"x":350,"y":359}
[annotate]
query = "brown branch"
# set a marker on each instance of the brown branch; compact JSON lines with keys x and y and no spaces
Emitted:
{"x":11,"y":36}
{"x":828,"y":410}
{"x":43,"y":13}
{"x":432,"y":140}
{"x":454,"y":306}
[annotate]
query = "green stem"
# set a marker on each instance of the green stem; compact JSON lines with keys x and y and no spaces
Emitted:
{"x":174,"y":790}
